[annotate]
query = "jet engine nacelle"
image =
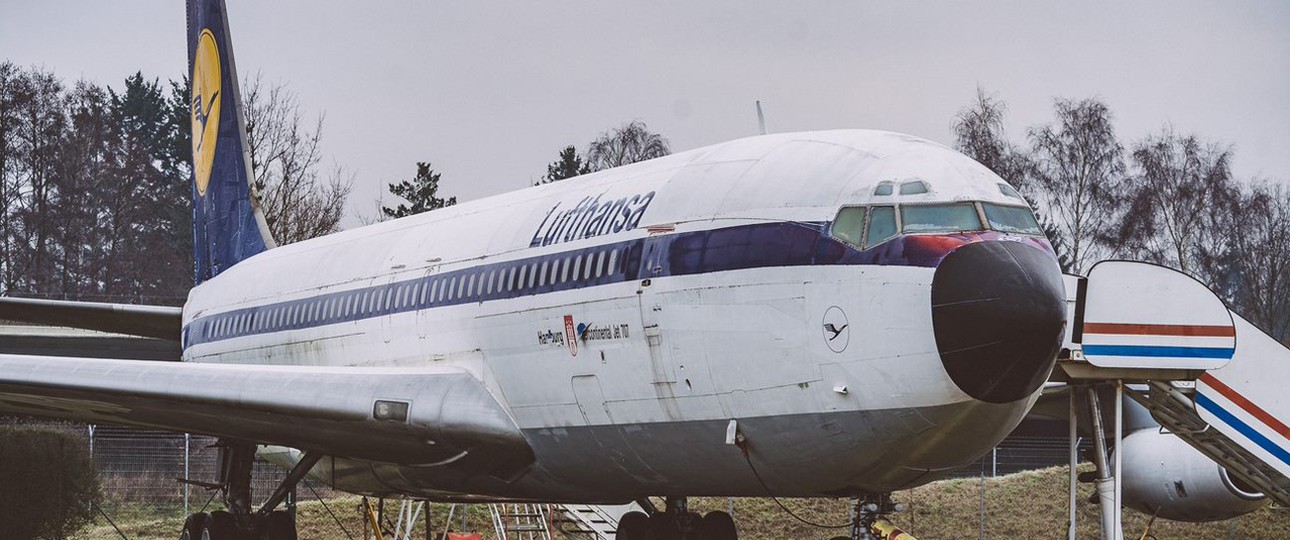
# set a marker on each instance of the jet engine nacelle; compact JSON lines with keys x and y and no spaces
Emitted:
{"x":1166,"y":477}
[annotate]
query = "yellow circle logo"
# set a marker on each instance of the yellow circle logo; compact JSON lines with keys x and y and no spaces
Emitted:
{"x":205,"y":100}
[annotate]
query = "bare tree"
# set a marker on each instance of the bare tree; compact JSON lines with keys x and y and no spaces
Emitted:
{"x":979,"y":134}
{"x":1176,"y":214}
{"x":1260,"y":249}
{"x":285,"y":155}
{"x":629,"y":143}
{"x":1078,"y":169}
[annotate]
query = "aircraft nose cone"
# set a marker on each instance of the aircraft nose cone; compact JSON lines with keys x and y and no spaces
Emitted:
{"x":998,"y":313}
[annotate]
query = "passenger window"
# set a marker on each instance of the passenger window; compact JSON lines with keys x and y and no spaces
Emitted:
{"x":542,"y":274}
{"x":470,"y":289}
{"x":523,"y":273}
{"x":510,"y":279}
{"x":577,"y":267}
{"x":613,"y":262}
{"x":461,"y":288}
{"x":849,"y":225}
{"x":492,"y":274}
{"x":533,"y":268}
{"x":452,"y":284}
{"x":600,"y":264}
{"x":882,"y":225}
{"x":923,"y":218}
{"x":564,"y":270}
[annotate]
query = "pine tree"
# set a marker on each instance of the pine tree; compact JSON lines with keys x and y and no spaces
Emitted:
{"x":420,"y":191}
{"x":569,"y":165}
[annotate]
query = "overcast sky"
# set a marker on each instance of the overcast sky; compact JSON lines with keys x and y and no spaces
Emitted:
{"x":490,"y":92}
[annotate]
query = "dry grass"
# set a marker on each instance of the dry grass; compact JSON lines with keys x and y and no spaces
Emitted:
{"x":1024,"y":505}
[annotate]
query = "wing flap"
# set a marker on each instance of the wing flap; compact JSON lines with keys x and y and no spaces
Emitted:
{"x":428,"y":416}
{"x":147,"y":321}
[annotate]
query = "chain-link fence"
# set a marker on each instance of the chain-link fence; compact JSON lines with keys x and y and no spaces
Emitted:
{"x":143,"y":499}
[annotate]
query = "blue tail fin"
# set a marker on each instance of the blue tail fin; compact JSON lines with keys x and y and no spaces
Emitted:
{"x":228,"y":226}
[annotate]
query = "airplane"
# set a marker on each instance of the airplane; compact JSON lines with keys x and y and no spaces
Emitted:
{"x":841,"y":313}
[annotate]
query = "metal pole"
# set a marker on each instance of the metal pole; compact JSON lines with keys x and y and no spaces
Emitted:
{"x":994,"y":462}
{"x":1119,"y":456}
{"x":187,"y":475}
{"x":1074,"y":455}
{"x":1105,"y":484}
{"x":981,"y":503}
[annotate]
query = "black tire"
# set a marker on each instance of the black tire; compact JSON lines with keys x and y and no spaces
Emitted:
{"x":665,"y":526}
{"x":281,"y":525}
{"x":221,"y":526}
{"x":193,"y":526}
{"x":718,"y":525}
{"x":634,"y":526}
{"x":841,"y":538}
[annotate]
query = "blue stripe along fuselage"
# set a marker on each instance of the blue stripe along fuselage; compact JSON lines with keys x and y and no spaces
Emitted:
{"x":763,"y":245}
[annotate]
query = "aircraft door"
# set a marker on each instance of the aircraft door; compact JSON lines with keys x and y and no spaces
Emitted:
{"x":652,"y":311}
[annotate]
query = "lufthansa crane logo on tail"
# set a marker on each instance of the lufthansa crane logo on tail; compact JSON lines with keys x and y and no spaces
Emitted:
{"x":207,"y":81}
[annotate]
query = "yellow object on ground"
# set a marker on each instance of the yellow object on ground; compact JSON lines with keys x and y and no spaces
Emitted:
{"x":887,"y":531}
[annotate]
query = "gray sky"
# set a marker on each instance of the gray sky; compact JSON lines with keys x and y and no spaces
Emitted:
{"x":489,"y":92}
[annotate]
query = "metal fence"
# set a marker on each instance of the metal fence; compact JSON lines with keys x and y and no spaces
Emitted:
{"x":143,"y":499}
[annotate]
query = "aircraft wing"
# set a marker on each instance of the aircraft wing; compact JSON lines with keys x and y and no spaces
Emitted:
{"x":158,"y":322}
{"x":412,"y":416}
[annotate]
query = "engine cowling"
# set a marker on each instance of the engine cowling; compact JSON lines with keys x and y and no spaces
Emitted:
{"x":1166,"y":477}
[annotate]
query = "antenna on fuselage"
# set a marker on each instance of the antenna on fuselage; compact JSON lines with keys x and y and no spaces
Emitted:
{"x":761,"y":120}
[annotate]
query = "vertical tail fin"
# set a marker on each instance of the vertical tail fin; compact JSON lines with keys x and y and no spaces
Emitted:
{"x":228,"y":225}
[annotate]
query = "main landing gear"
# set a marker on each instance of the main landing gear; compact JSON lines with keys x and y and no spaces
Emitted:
{"x":240,"y":521}
{"x":676,"y":522}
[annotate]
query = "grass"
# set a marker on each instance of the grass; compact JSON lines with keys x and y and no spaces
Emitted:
{"x":1024,"y":505}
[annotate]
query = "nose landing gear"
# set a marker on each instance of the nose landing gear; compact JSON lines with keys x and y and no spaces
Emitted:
{"x":676,"y":523}
{"x":869,"y":522}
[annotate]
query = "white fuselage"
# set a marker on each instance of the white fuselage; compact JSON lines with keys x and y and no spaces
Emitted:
{"x":624,"y":346}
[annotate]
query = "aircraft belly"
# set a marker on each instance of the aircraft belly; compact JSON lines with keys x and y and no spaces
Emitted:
{"x":802,"y":455}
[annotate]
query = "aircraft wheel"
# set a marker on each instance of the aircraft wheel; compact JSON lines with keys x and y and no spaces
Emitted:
{"x":280,"y":526}
{"x":634,"y":526}
{"x":718,"y":525}
{"x":221,"y":526}
{"x":665,"y":526}
{"x":193,"y":526}
{"x":841,"y":538}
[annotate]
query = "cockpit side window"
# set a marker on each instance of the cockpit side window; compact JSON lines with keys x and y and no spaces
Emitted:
{"x":955,"y":217}
{"x":1013,"y":219}
{"x":882,"y":225}
{"x":1010,"y":191}
{"x":917,"y":187}
{"x":849,"y":225}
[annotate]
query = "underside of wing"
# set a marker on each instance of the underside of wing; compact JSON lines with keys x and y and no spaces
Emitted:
{"x":58,"y":341}
{"x":393,"y":415}
{"x":157,"y":322}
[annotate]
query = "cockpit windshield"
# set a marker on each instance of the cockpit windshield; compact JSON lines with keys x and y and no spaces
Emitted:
{"x":925,"y":218}
{"x":1013,"y":219}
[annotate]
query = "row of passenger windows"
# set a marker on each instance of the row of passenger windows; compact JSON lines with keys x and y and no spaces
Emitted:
{"x":469,"y":285}
{"x":868,"y":226}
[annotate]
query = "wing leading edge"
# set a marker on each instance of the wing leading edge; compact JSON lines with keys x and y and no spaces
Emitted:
{"x":393,"y":415}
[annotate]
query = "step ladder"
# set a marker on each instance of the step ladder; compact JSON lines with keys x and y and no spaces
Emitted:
{"x":514,"y":521}
{"x":1173,"y":405}
{"x":597,"y":522}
